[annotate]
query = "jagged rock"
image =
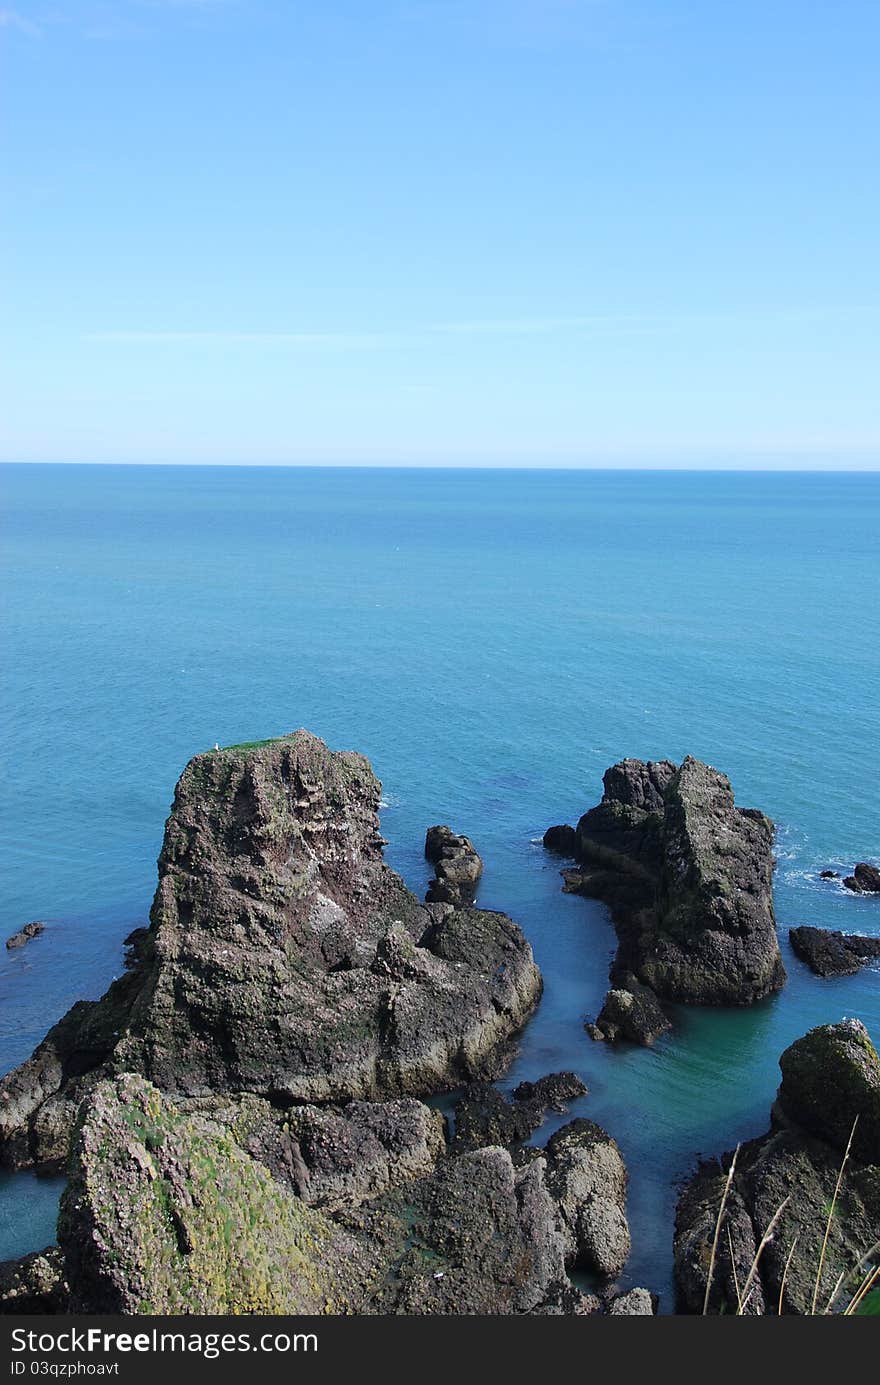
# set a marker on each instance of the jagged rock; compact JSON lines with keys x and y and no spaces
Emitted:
{"x":554,"y":1091}
{"x":187,"y":1207}
{"x":587,"y":1179}
{"x":457,"y":867}
{"x":688,"y":878}
{"x":34,"y":1284}
{"x":634,"y":1013}
{"x":166,"y":1214}
{"x":561,"y":839}
{"x":24,"y":935}
{"x":788,"y":1179}
{"x":136,"y":945}
{"x":484,"y":1116}
{"x":696,"y":1221}
{"x":829,"y":875}
{"x":284,"y":958}
{"x":363,"y":1150}
{"x":480,"y":1238}
{"x":831,"y":1077}
{"x":829,"y":953}
{"x":490,"y":1235}
{"x":636,"y":1303}
{"x":865,"y":879}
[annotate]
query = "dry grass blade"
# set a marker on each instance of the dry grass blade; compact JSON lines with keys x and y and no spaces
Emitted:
{"x":765,"y":1241}
{"x":710,"y":1273}
{"x":870,"y":1280}
{"x":830,"y":1220}
{"x":785,"y":1275}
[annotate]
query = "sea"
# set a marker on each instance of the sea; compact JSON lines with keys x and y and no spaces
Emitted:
{"x":493,"y":640}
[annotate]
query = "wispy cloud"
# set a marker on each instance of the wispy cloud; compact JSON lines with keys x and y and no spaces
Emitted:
{"x":11,"y":19}
{"x":595,"y":324}
{"x":356,"y":340}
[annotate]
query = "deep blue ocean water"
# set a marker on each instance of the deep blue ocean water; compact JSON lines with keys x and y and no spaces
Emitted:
{"x":493,"y":640}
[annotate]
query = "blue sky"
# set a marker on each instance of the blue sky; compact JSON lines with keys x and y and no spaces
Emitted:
{"x":529,"y":232}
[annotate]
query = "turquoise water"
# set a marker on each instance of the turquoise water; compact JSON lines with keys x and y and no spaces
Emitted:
{"x":492,"y":640}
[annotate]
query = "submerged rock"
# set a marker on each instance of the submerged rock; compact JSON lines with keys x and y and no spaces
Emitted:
{"x":456,"y":864}
{"x":829,"y":953}
{"x":25,"y":934}
{"x":284,"y":958}
{"x":786,"y":1180}
{"x":688,"y":878}
{"x":865,"y":879}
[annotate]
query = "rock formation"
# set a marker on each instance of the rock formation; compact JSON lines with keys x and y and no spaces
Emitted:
{"x":456,"y":864}
{"x":25,"y":934}
{"x":230,"y":1205}
{"x":36,"y":1283}
{"x":830,"y":1084}
{"x":633,"y":1012}
{"x":688,"y":878}
{"x":284,"y":958}
{"x":484,"y":1116}
{"x":865,"y":879}
{"x":561,"y":839}
{"x":829,"y":953}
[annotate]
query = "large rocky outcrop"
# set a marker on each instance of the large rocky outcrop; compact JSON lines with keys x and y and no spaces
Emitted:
{"x":688,"y":878}
{"x":830,"y":1077}
{"x":283,"y":958}
{"x":193,"y":1206}
{"x":165,"y":1213}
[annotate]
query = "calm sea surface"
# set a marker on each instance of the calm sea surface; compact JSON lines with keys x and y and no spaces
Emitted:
{"x":493,"y":641}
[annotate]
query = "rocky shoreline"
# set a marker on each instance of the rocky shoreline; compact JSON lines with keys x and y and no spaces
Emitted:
{"x":245,"y":1116}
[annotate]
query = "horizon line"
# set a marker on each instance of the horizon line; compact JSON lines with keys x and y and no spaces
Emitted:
{"x":792,"y":470}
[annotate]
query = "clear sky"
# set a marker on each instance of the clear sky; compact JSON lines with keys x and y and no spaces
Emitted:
{"x":532,"y":232}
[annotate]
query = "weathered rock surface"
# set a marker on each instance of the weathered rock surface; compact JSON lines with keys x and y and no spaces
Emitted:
{"x":34,"y":1284}
{"x":829,"y":953}
{"x":865,"y":879}
{"x":284,"y":958}
{"x":688,"y":878}
{"x":561,"y":839}
{"x":587,"y":1178}
{"x":24,"y":935}
{"x":457,"y":867}
{"x":484,"y":1116}
{"x":632,"y":1013}
{"x":637,"y":1303}
{"x":172,"y":1210}
{"x":829,"y":1077}
{"x":165,"y":1213}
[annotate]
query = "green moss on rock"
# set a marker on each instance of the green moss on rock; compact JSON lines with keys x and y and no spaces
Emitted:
{"x":830,"y":1079}
{"x":165,"y":1213}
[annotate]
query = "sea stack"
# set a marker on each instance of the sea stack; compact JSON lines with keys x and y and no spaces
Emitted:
{"x":688,"y":877}
{"x":284,"y":958}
